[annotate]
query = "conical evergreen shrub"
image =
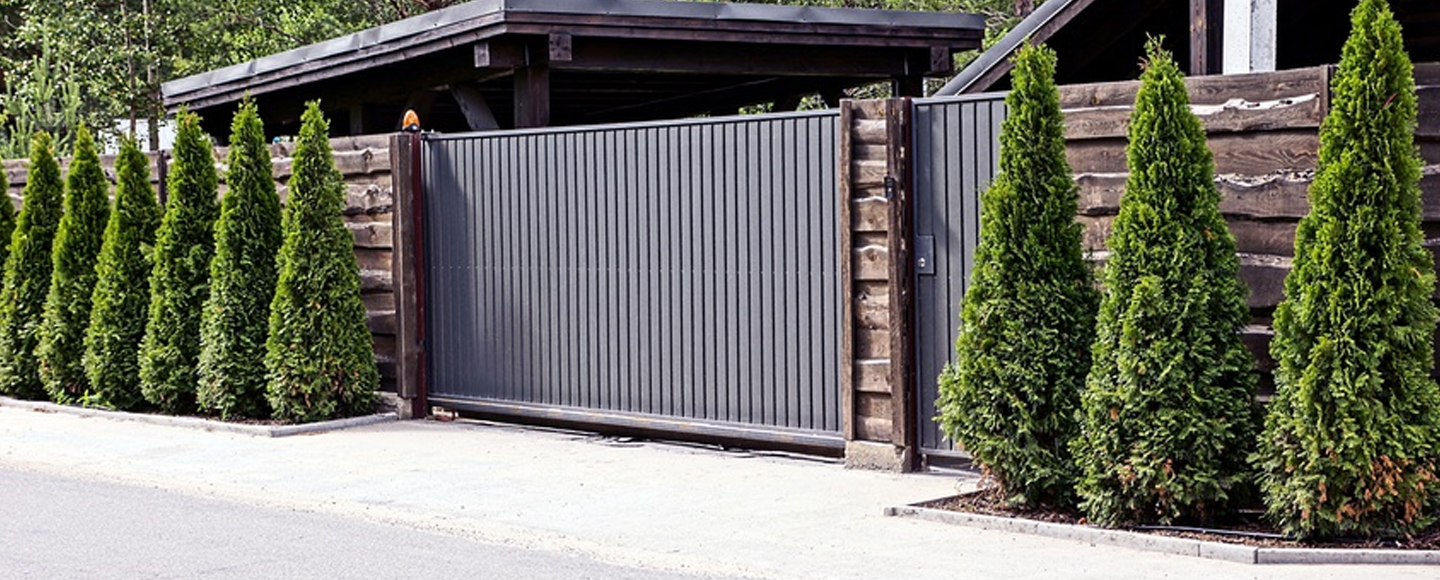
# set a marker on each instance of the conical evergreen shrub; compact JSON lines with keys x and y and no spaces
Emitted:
{"x":1352,"y":435}
{"x":27,"y":272}
{"x":1168,"y":416}
{"x":1029,"y":313}
{"x":320,"y":359}
{"x":72,"y":282}
{"x":234,"y":325}
{"x":122,"y":286}
{"x":180,"y":282}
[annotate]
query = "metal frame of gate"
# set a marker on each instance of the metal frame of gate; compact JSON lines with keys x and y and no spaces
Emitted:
{"x":956,"y":155}
{"x":676,"y":277}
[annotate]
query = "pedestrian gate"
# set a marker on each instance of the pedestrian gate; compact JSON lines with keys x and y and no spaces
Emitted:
{"x":956,"y":155}
{"x":676,"y":276}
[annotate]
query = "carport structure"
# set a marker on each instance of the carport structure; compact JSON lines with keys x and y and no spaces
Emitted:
{"x":491,"y":64}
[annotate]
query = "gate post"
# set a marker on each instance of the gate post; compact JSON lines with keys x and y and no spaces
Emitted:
{"x":877,"y":370}
{"x":407,"y":269}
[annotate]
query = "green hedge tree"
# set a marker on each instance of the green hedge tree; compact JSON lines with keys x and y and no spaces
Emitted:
{"x":72,"y":281}
{"x":1029,"y":313}
{"x":180,"y":282}
{"x":319,"y":356}
{"x":7,"y":219}
{"x":27,"y":272}
{"x":1168,"y":409}
{"x":122,"y":286}
{"x":234,"y":325}
{"x":1352,"y":436}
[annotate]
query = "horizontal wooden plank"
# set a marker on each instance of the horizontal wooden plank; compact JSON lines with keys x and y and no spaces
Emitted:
{"x":372,"y":234}
{"x":870,"y":262}
{"x":868,"y":109}
{"x":868,"y":173}
{"x":1251,"y":237}
{"x":870,"y":132}
{"x":1240,"y":153}
{"x":375,"y":280}
{"x":374,"y":258}
{"x":378,"y":302}
{"x":871,"y":344}
{"x":872,"y":376}
{"x":1427,"y":74}
{"x":1428,"y":111}
{"x":1257,"y":340}
{"x":870,"y":215}
{"x":872,"y":310}
{"x":1237,"y":115}
{"x":873,"y":405}
{"x":1278,"y":196}
{"x":1210,"y":90}
{"x":380,"y":321}
{"x":863,"y":151}
{"x":1263,"y":274}
{"x":874,"y":428}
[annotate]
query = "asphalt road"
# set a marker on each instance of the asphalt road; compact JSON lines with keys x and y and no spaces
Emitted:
{"x":58,"y":527}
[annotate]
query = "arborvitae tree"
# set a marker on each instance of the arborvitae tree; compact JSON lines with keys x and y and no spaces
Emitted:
{"x":1029,"y":313}
{"x":122,"y":286}
{"x":1352,"y":436}
{"x":27,"y":273}
{"x":179,"y":283}
{"x":1168,"y":408}
{"x":234,"y":325}
{"x":7,"y":218}
{"x":72,"y":283}
{"x":319,"y":358}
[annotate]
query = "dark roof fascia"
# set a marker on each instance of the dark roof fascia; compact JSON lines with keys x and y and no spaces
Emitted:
{"x":1034,"y":27}
{"x":480,"y":19}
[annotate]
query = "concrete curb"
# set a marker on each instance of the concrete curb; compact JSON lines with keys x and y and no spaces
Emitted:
{"x":1169,"y":545}
{"x":203,"y":424}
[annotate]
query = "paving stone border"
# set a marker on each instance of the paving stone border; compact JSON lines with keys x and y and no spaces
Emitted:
{"x":203,"y":424}
{"x":1167,"y":544}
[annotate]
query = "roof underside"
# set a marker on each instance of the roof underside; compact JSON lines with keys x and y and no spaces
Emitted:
{"x":1103,"y":40}
{"x":602,"y":60}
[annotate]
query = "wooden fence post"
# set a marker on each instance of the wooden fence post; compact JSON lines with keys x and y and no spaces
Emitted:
{"x":876,"y":346}
{"x":408,"y":275}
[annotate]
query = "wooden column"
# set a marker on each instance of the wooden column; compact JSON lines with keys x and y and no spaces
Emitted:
{"x":532,"y":96}
{"x":1206,"y":36}
{"x":408,"y":274}
{"x":876,"y":383}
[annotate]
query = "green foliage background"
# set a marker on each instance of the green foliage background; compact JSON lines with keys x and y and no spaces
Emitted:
{"x":319,"y":355}
{"x":180,"y":282}
{"x":27,"y":272}
{"x":1168,"y":417}
{"x":122,"y":286}
{"x":1352,"y":436}
{"x":72,"y":281}
{"x":1029,"y":313}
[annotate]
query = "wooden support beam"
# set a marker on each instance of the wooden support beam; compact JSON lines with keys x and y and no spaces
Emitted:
{"x":478,"y":116}
{"x":560,"y":47}
{"x":942,"y":62}
{"x":407,"y":265}
{"x":499,"y":55}
{"x":1207,"y":19}
{"x":901,"y":282}
{"x":532,"y":96}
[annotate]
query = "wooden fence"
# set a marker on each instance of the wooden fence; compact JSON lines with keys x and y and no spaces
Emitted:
{"x":365,"y":164}
{"x":1264,"y":132}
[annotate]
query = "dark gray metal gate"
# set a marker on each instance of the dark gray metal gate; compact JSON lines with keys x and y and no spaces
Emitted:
{"x":956,"y":153}
{"x":677,"y":276}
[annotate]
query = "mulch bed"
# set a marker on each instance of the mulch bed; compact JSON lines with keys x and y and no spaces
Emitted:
{"x":1246,"y":529}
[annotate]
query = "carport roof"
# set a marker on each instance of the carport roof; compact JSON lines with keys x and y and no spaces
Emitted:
{"x":595,"y":60}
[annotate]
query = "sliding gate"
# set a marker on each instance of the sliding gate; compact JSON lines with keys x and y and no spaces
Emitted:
{"x":677,"y":276}
{"x":956,"y":155}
